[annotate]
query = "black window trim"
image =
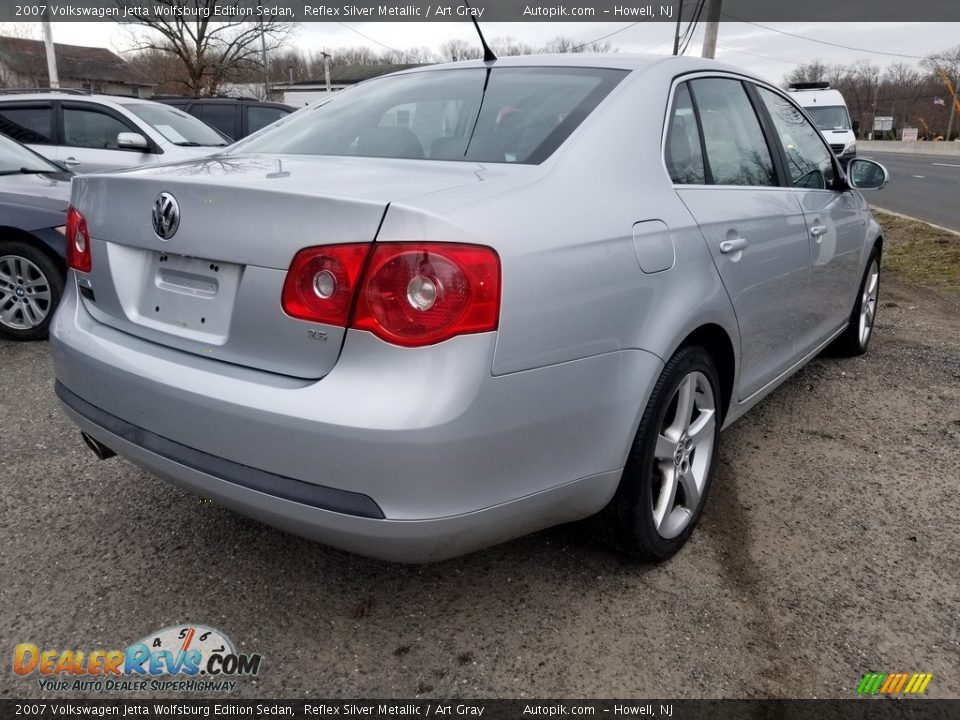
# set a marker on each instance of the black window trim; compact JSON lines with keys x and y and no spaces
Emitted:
{"x":54,"y":123}
{"x":839,"y":182}
{"x":151,"y":148}
{"x":770,"y":134}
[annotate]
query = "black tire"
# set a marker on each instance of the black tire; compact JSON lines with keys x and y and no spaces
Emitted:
{"x":629,"y":518}
{"x":16,"y":327}
{"x":852,"y":343}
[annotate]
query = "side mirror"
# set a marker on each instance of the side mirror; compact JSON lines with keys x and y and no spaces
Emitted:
{"x":856,"y":127}
{"x":866,"y":174}
{"x":132,"y":141}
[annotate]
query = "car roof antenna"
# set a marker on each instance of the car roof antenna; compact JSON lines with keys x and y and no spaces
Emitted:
{"x":488,"y":54}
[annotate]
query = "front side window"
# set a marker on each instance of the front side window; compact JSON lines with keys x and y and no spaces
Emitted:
{"x":504,"y":115}
{"x":683,"y":154}
{"x":88,"y":128}
{"x":809,"y":161}
{"x":737,"y":153}
{"x":29,"y":125}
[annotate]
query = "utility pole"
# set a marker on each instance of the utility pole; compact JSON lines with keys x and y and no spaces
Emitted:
{"x":326,"y":68}
{"x":51,"y":55}
{"x":264,"y":61}
{"x":676,"y":34}
{"x":712,"y":28}
{"x":876,"y":99}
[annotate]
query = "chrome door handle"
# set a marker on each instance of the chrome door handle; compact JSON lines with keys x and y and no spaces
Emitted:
{"x":818,"y":230}
{"x":730,"y":246}
{"x":71,"y":161}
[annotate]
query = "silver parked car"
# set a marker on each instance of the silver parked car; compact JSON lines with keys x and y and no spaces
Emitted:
{"x":34,"y":197}
{"x":90,"y":133}
{"x":462,"y":303}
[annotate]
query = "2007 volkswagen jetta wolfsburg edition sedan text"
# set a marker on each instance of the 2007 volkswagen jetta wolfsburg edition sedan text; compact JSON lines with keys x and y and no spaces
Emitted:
{"x":462,"y":303}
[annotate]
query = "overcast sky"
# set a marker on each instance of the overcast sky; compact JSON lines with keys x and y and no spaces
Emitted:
{"x":767,"y":53}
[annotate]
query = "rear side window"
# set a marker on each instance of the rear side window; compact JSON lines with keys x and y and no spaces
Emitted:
{"x":85,"y":128}
{"x":29,"y":125}
{"x":221,"y":116}
{"x":737,"y":153}
{"x":258,"y":117}
{"x":504,"y":115}
{"x":684,"y":155}
{"x":808,"y":159}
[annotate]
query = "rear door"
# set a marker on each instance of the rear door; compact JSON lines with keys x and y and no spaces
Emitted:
{"x":834,"y":221}
{"x":89,"y":143}
{"x":726,"y":171}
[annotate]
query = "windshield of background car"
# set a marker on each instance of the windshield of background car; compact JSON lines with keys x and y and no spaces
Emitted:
{"x":177,"y":126}
{"x":829,"y":118}
{"x":15,"y":158}
{"x":503,"y":115}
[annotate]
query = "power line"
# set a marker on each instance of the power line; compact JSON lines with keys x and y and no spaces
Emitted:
{"x":825,"y":42}
{"x":766,"y":57}
{"x":374,"y":40}
{"x":603,"y":37}
{"x":691,"y":30}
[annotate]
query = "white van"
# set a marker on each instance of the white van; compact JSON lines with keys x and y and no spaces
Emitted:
{"x":828,"y":111}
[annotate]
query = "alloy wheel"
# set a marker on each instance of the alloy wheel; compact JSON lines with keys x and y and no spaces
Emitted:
{"x":25,"y":293}
{"x":868,"y":302}
{"x":683,"y":454}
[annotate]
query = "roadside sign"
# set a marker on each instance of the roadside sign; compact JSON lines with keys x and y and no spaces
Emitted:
{"x":883,"y":123}
{"x":909,"y":135}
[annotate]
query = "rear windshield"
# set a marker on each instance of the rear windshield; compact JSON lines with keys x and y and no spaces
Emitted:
{"x":15,"y":158}
{"x":503,"y":115}
{"x":177,"y":126}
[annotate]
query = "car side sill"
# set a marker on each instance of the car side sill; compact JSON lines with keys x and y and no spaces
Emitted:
{"x":739,"y":409}
{"x":319,"y":496}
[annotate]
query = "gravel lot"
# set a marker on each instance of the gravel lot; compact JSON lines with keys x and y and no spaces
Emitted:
{"x":828,"y":548}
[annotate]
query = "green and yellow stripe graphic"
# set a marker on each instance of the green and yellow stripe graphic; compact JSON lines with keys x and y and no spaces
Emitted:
{"x":894,"y":683}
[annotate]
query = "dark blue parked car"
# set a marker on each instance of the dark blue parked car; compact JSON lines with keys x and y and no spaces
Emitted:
{"x":34,"y":196}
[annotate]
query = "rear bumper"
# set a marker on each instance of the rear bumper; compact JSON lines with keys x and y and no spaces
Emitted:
{"x":404,"y":455}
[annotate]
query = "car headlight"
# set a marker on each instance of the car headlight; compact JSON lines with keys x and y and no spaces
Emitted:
{"x":850,"y":147}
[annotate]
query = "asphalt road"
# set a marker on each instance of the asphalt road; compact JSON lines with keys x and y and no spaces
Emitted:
{"x":921,"y":186}
{"x":828,"y":548}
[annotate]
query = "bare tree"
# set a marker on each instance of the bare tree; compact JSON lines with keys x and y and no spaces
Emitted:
{"x":211,"y":53}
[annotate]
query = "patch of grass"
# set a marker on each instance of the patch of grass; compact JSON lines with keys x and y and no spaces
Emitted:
{"x":920,"y":253}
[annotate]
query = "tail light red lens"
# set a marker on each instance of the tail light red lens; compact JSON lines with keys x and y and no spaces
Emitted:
{"x":417,"y":294}
{"x":78,"y":242}
{"x":321,"y":282}
{"x":410,"y":294}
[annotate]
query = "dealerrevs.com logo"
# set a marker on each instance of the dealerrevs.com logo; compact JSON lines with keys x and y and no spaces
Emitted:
{"x":179,"y":658}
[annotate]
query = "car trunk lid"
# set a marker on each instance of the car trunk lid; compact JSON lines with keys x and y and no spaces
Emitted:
{"x":213,"y":286}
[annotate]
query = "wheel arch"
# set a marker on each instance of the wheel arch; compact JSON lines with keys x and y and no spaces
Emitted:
{"x":8,"y":232}
{"x":717,"y":342}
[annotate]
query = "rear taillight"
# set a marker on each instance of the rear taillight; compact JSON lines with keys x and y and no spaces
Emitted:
{"x":423,"y":293}
{"x":410,"y":294}
{"x":78,"y":242}
{"x":321,"y":282}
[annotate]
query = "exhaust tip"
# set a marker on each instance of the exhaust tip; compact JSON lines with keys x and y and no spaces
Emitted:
{"x":99,"y":449}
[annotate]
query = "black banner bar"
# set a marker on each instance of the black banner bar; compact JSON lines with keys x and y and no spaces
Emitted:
{"x":857,"y":709}
{"x":485,"y":10}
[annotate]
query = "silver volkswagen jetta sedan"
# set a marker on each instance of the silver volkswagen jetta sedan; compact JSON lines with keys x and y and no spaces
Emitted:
{"x":462,"y":303}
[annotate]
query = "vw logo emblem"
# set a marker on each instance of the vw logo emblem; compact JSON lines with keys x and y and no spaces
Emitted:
{"x":166,"y":216}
